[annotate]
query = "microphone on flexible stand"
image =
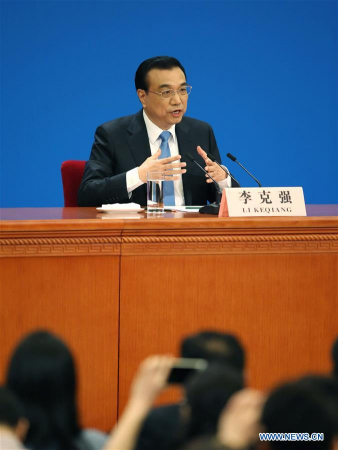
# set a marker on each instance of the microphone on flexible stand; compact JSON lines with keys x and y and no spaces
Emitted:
{"x":233,"y":158}
{"x":212,"y":208}
{"x":213,"y":159}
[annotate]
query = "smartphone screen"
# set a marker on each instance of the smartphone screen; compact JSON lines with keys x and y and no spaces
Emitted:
{"x":184,"y":368}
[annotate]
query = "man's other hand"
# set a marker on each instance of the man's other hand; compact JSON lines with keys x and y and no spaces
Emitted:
{"x":171,"y":167}
{"x":213,"y":169}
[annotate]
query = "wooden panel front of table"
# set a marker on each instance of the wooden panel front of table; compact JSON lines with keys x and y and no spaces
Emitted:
{"x":119,"y":289}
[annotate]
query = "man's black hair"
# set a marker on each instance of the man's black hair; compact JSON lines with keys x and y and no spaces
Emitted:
{"x":42,"y":374}
{"x":157,"y":62}
{"x":214,"y":346}
{"x":299,"y":407}
{"x":11,"y":410}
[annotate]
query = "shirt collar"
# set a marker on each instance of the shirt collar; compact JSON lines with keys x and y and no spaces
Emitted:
{"x":154,"y":131}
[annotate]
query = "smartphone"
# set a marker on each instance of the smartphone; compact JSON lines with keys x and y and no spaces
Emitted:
{"x":184,"y":368}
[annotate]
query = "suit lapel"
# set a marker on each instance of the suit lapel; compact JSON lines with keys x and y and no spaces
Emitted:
{"x":138,"y":140}
{"x":185,"y":145}
{"x":138,"y":143}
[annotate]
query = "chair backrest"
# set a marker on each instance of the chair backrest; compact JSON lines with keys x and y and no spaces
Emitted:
{"x":72,"y":173}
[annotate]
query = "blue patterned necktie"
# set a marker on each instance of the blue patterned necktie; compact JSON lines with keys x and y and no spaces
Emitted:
{"x":169,"y":194}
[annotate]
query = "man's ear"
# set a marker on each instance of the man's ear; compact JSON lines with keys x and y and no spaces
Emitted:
{"x":142,"y":96}
{"x":21,"y":429}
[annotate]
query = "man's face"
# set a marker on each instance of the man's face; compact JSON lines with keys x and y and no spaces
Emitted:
{"x":164,"y":112}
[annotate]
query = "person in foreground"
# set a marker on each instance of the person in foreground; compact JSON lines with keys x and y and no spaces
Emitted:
{"x":163,"y":423}
{"x":42,"y":375}
{"x":308,"y":405}
{"x":209,"y":395}
{"x":238,"y":426}
{"x":13,"y":424}
{"x":157,"y":138}
{"x":149,"y":381}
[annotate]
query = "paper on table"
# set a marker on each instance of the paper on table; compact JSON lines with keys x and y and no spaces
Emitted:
{"x":117,"y":216}
{"x":182,"y":208}
{"x":122,"y":206}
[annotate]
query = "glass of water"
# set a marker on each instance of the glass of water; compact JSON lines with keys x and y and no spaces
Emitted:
{"x":155,"y":186}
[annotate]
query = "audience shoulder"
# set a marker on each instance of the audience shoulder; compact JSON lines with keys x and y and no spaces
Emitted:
{"x":195,"y":122}
{"x":91,"y":438}
{"x":117,"y":124}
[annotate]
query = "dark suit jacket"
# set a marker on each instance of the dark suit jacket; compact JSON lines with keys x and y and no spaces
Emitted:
{"x":123,"y":144}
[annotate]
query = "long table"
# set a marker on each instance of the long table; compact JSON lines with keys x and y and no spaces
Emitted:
{"x":118,"y":289}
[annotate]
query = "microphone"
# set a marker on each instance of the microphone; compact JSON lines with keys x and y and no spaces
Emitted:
{"x":213,"y":159}
{"x":215,"y":182}
{"x":212,"y":208}
{"x":233,"y":158}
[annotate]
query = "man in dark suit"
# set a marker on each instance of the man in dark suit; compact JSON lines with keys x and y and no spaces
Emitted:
{"x":164,"y":425}
{"x":127,"y":148}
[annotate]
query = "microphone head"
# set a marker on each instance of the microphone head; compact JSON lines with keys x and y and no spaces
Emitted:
{"x":210,"y":156}
{"x":190,"y":157}
{"x":229,"y":155}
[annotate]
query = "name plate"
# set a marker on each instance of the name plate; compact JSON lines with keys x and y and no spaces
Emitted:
{"x":262,"y":202}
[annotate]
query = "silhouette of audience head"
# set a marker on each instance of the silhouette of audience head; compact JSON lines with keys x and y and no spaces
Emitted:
{"x":216,"y":347}
{"x":326,"y":388}
{"x":42,"y":374}
{"x":12,"y":415}
{"x":207,"y":393}
{"x":303,"y":406}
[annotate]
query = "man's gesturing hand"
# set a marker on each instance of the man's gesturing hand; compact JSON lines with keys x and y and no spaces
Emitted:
{"x":212,"y":168}
{"x":168,"y":166}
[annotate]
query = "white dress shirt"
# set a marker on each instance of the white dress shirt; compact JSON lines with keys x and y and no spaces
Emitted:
{"x":133,"y":180}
